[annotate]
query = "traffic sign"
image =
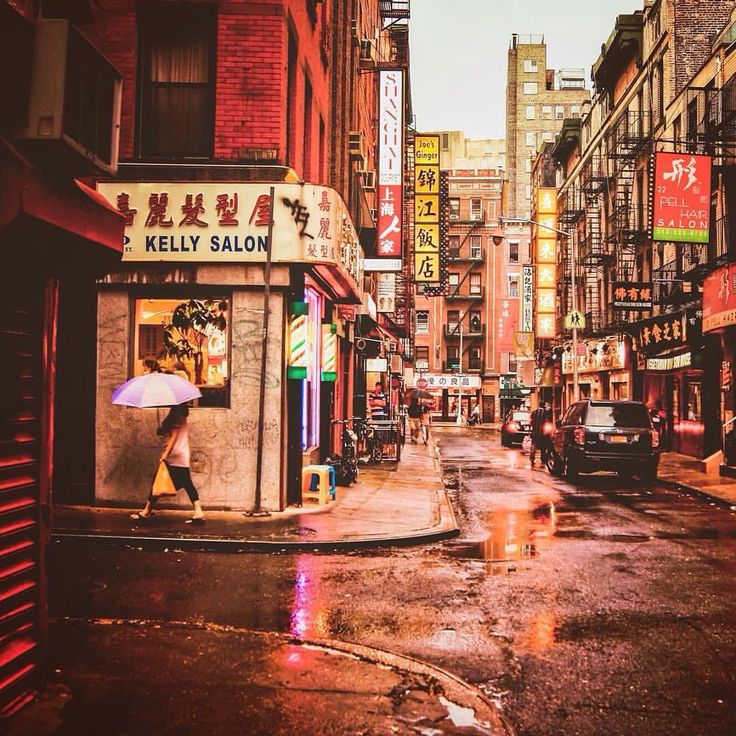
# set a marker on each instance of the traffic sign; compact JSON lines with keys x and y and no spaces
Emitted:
{"x":575,"y":320}
{"x":422,"y":383}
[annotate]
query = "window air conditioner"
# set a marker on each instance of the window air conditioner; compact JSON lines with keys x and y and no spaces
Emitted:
{"x":368,"y":179}
{"x":74,"y":101}
{"x":356,"y":146}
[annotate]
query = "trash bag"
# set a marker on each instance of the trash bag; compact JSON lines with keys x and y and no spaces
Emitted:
{"x":526,"y":444}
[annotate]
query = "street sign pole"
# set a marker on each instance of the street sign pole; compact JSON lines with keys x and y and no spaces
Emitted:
{"x":459,"y":420}
{"x":574,"y":287}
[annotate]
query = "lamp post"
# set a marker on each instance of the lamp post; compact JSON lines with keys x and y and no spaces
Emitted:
{"x":459,"y":420}
{"x":573,"y":285}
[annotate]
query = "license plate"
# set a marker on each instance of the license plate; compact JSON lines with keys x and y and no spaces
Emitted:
{"x":618,"y":438}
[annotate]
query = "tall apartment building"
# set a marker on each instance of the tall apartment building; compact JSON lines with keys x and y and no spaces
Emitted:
{"x":537,"y":101}
{"x":459,"y":152}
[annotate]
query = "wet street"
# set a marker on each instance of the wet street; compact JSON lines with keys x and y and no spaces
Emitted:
{"x":605,"y":607}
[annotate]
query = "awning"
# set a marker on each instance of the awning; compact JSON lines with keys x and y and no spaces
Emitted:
{"x":66,"y":204}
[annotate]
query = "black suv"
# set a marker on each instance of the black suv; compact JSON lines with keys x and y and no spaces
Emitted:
{"x":606,"y":435}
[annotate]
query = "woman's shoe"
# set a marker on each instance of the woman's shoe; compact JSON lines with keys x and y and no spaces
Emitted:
{"x":195,"y":520}
{"x":138,"y":516}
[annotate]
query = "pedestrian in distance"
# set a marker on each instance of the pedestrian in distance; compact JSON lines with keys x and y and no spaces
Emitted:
{"x":377,"y":402}
{"x":415,"y":418}
{"x":474,"y":415}
{"x":176,"y":456}
{"x":426,"y":422}
{"x":540,"y":416}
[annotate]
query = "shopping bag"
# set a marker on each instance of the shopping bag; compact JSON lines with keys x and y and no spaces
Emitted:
{"x":526,"y":444}
{"x":162,"y":483}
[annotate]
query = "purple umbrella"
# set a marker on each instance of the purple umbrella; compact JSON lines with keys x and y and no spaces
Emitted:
{"x":155,"y":389}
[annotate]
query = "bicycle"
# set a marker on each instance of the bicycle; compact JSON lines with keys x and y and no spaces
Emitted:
{"x":346,"y":465}
{"x":369,"y":440}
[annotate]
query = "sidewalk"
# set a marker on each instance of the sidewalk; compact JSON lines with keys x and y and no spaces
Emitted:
{"x":389,"y":505}
{"x":683,"y":472}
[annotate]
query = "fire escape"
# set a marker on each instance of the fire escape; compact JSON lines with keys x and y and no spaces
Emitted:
{"x":629,"y":142}
{"x":594,"y":257}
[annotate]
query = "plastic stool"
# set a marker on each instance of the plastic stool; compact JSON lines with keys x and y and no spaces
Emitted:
{"x":317,"y":482}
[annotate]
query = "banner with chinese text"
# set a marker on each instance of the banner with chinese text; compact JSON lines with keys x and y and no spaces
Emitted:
{"x":390,"y":194}
{"x":661,"y":333}
{"x":427,"y":244}
{"x":544,"y":248}
{"x":681,"y":201}
{"x":632,"y":295}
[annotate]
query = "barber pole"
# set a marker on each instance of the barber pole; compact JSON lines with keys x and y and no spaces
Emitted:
{"x":329,"y":352}
{"x":298,"y":342}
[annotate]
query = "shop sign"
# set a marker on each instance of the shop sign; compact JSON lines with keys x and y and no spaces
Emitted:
{"x":632,"y":295}
{"x":450,"y":380}
{"x":682,"y":184}
{"x":671,"y":363}
{"x":527,"y":300}
{"x":227,"y":222}
{"x":386,"y":292}
{"x":665,"y":332}
{"x":376,"y":365}
{"x":387,"y":265}
{"x":347,"y":312}
{"x":597,"y":355}
{"x":427,"y":240}
{"x":719,"y":299}
{"x":544,"y":248}
{"x":390,"y":163}
{"x":524,"y":342}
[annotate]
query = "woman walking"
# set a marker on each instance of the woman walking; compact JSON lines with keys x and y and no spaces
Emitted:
{"x":176,"y":456}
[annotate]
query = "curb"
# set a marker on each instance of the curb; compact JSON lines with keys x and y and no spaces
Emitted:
{"x":231,"y":545}
{"x":693,"y":491}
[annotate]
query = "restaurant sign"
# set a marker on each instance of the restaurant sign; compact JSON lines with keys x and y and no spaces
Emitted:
{"x":719,"y":299}
{"x":665,"y":332}
{"x":681,"y":201}
{"x":636,"y":295}
{"x":596,"y":355}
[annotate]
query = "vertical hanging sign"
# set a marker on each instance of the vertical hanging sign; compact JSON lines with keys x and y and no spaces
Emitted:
{"x":545,"y":256}
{"x":390,"y":163}
{"x":427,"y":209}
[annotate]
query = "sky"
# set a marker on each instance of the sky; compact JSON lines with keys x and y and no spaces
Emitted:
{"x":459,"y":53}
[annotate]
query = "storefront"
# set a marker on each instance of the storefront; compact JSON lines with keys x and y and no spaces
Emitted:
{"x":719,"y":320}
{"x":451,"y":392}
{"x":192,"y":297}
{"x":604,"y":369}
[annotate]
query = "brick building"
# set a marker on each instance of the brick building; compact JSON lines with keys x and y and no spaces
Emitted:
{"x":471,"y":328}
{"x":645,"y":102}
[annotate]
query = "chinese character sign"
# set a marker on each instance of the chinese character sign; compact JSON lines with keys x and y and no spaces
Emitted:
{"x":719,"y":299}
{"x":427,"y":245}
{"x":390,"y":163}
{"x":665,"y":332}
{"x":682,"y":184}
{"x":527,"y":299}
{"x":544,"y":248}
{"x":632,"y":295}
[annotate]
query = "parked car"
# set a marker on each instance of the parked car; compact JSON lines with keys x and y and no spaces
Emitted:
{"x":606,"y":435}
{"x":516,"y":426}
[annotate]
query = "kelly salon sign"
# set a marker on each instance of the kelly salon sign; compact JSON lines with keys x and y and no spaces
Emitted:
{"x":682,"y":184}
{"x":719,"y":299}
{"x":227,"y":222}
{"x":390,"y":162}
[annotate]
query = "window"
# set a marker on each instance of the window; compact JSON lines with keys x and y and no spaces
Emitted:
{"x":177,"y":80}
{"x":445,"y":142}
{"x":475,"y":360}
{"x":528,"y":191}
{"x":513,"y":366}
{"x":453,"y":357}
{"x":546,"y":112}
{"x":454,"y":208}
{"x":559,"y":112}
{"x":475,"y":246}
{"x":475,"y":287}
{"x":453,"y":317}
{"x":531,"y":88}
{"x":530,"y":138}
{"x":548,"y":136}
{"x":694,"y":402}
{"x":530,"y":66}
{"x":474,"y":324}
{"x":198,"y":348}
{"x":453,"y":279}
{"x":530,"y":112}
{"x":574,"y":111}
{"x":513,"y":251}
{"x":476,"y":210}
{"x":528,"y":165}
{"x":513,"y":286}
{"x":422,"y":323}
{"x":421,"y":363}
{"x":453,"y":246}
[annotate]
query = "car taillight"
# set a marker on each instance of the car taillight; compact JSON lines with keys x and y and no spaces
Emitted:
{"x":578,"y":435}
{"x":547,"y":428}
{"x":512,"y":427}
{"x":655,"y":438}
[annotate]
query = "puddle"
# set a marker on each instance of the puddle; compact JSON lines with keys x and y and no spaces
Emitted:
{"x":464,"y":717}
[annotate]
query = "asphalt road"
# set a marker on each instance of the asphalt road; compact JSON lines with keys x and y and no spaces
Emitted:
{"x":597,"y":608}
